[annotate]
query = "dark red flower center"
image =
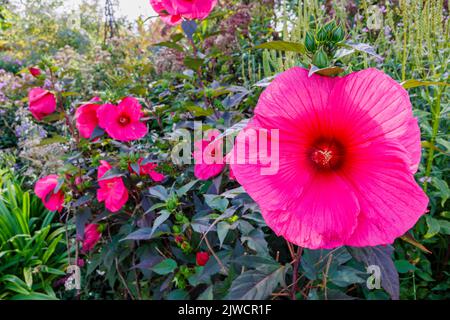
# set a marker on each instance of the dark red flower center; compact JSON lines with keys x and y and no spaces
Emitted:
{"x":124,"y":120}
{"x":327,"y":154}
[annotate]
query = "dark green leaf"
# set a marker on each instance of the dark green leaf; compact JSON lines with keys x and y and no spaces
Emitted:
{"x":193,"y":63}
{"x":381,"y":257}
{"x":256,"y":285}
{"x":112,"y":173}
{"x":403,"y":266}
{"x":165,"y":267}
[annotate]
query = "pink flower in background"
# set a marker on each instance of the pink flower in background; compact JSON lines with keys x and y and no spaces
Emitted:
{"x":86,"y":118}
{"x":348,"y":151}
{"x":92,"y":236}
{"x":207,"y":165}
{"x":78,"y":180}
{"x":164,"y":14}
{"x":35,"y":72}
{"x":202,"y":258}
{"x":81,"y":263}
{"x":123,"y":122}
{"x":149,"y":169}
{"x":42,"y":103}
{"x":172,"y":11}
{"x":112,"y":191}
{"x":45,"y":190}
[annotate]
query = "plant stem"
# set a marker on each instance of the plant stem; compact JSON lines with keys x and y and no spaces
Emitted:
{"x":436,"y":111}
{"x":224,"y":269}
{"x":295,"y":273}
{"x":124,"y":282}
{"x":136,"y":276}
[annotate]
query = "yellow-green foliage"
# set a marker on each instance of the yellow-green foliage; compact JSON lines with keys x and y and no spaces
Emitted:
{"x":413,"y":37}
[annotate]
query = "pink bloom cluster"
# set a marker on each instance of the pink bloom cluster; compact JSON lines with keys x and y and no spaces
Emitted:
{"x":121,"y":122}
{"x":348,"y":151}
{"x":174,"y":11}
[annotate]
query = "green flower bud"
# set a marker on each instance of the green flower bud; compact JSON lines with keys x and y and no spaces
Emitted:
{"x":320,"y":59}
{"x":184,"y":270}
{"x":310,"y":42}
{"x":329,"y":27}
{"x":176,"y":229}
{"x":321,"y":35}
{"x":185,"y":246}
{"x":233,"y":219}
{"x":172,"y":203}
{"x":338,"y":34}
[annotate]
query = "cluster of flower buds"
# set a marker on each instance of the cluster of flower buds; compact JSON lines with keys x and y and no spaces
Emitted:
{"x":323,"y":43}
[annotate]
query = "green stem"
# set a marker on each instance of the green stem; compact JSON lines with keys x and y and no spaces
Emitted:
{"x":298,"y":257}
{"x":436,"y":111}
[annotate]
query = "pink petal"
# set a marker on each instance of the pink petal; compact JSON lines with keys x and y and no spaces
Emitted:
{"x":390,"y":199}
{"x":112,"y":191}
{"x":411,"y":141}
{"x":55,"y":202}
{"x":104,"y":167}
{"x":371,"y":95}
{"x":131,"y":107}
{"x":156,"y":176}
{"x":86,"y":118}
{"x":131,"y":132}
{"x":278,"y":181}
{"x":190,"y":9}
{"x":41,"y":102}
{"x":291,"y":96}
{"x":106,"y":114}
{"x":160,"y":8}
{"x":45,"y":187}
{"x":323,"y":217}
{"x":208,"y":171}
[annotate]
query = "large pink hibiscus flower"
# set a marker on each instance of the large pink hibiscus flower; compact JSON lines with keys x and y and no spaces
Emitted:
{"x":45,"y":190}
{"x":112,"y":191}
{"x":123,"y":122}
{"x":348,"y":150}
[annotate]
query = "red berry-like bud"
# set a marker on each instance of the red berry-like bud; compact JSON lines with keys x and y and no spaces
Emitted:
{"x":179,"y":239}
{"x":35,"y":72}
{"x":202,"y":258}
